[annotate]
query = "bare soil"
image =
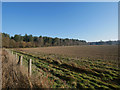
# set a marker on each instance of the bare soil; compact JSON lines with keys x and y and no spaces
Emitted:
{"x":106,"y":52}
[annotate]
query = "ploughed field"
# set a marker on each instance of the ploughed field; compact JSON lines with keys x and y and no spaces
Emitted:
{"x":75,"y":66}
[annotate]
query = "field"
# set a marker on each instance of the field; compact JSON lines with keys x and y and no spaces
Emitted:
{"x":94,"y":52}
{"x":75,"y":66}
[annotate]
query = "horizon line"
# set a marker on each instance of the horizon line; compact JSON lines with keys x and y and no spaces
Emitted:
{"x":61,"y":37}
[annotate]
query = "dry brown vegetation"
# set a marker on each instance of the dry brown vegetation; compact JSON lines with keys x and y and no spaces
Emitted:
{"x":14,"y":76}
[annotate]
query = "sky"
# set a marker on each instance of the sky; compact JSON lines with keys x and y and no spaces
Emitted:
{"x":90,"y":21}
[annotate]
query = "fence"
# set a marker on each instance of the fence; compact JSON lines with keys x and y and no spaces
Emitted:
{"x":20,"y":62}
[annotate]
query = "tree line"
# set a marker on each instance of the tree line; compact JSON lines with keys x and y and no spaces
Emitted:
{"x":18,"y":41}
{"x":104,"y":42}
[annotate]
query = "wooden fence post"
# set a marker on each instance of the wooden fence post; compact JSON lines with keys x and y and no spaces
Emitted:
{"x":29,"y":67}
{"x":12,"y":52}
{"x":20,"y":60}
{"x":16,"y":55}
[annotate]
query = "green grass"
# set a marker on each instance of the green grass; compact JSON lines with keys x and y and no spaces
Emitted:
{"x":78,"y":74}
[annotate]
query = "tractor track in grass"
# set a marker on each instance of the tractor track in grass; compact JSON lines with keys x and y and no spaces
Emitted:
{"x":69,"y":73}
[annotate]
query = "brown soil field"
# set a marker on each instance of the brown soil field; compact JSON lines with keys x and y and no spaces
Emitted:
{"x":87,"y":66}
{"x":106,"y":52}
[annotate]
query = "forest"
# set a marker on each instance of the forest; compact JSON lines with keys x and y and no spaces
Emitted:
{"x":18,"y":41}
{"x":27,"y":41}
